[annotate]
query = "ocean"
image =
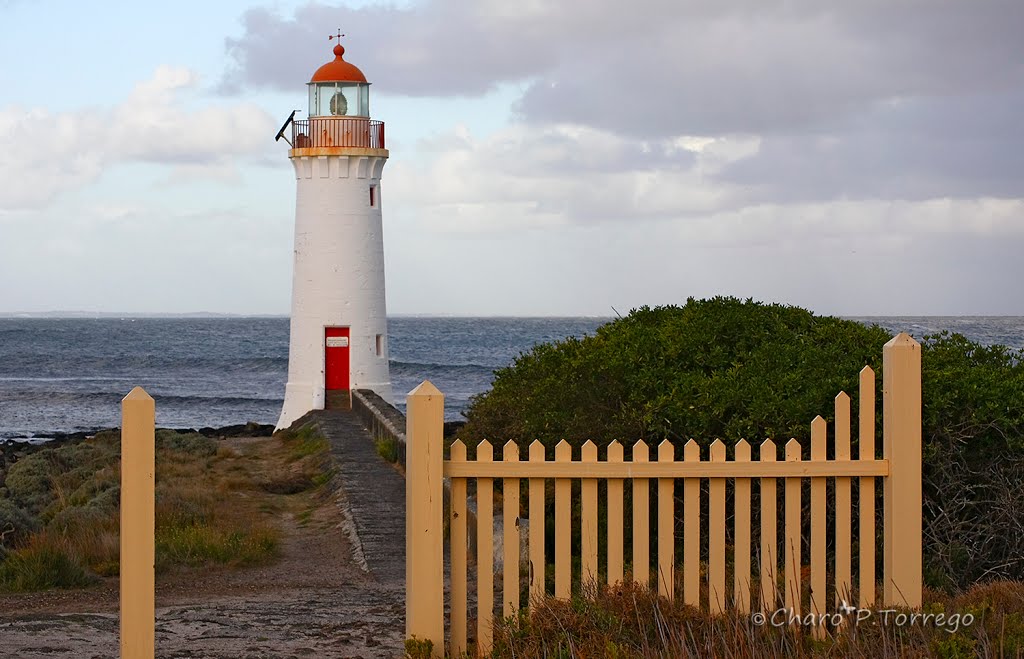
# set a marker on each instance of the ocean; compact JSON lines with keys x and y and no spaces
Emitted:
{"x":68,"y":375}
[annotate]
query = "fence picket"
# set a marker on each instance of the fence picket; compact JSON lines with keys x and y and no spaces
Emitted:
{"x":741,"y":556}
{"x":818,"y":601}
{"x":138,"y":451}
{"x":510,"y":536}
{"x":588,"y":518}
{"x":538,"y":563}
{"x":691,"y":529}
{"x":424,"y":516}
{"x":666,"y":525}
{"x":615,"y":520}
{"x":791,"y":569}
{"x":458,"y":554}
{"x":866,"y":451}
{"x":769,"y":560}
{"x":716,"y":534}
{"x":484,"y":552}
{"x":563,"y":526}
{"x":843,"y":510}
{"x":641,"y":519}
{"x":902,"y":496}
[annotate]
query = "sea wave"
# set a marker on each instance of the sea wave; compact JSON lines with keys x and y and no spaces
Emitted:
{"x":432,"y":366}
{"x":119,"y":366}
{"x":53,"y":397}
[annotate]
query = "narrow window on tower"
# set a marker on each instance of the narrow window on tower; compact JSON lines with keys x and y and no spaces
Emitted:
{"x":380,"y":345}
{"x":373,"y":196}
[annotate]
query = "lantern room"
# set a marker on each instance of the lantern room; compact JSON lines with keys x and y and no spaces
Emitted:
{"x":339,"y":89}
{"x":339,"y":110}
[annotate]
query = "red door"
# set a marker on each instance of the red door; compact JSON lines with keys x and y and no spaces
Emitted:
{"x":336,"y":365}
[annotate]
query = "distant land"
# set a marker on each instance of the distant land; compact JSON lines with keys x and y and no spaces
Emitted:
{"x":5,"y":315}
{"x":211,"y":314}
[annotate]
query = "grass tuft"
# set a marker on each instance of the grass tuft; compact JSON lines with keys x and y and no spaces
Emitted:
{"x":303,"y":442}
{"x":197,"y":545}
{"x":41,"y":566}
{"x":387,"y":448}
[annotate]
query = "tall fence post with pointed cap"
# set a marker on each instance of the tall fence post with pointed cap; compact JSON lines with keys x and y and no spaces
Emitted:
{"x":138,"y":465}
{"x":901,"y":441}
{"x":424,"y":509}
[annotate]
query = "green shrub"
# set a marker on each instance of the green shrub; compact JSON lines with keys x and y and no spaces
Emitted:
{"x":28,"y":482}
{"x":15,"y":524}
{"x":53,"y":478}
{"x":718,"y":368}
{"x":185,"y":444}
{"x":729,"y":369}
{"x":76,"y":518}
{"x":416,"y":648}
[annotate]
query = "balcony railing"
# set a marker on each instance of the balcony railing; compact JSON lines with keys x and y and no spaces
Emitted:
{"x":337,"y":131}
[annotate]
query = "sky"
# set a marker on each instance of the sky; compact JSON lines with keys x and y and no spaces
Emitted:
{"x":552,"y":158}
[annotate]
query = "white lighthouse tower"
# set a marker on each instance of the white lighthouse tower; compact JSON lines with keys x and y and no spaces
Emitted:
{"x":338,"y":324}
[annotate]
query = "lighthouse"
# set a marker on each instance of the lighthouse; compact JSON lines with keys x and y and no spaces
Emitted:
{"x":338,"y":335}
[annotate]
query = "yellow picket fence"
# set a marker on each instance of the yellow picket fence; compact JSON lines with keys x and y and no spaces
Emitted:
{"x":757,"y":570}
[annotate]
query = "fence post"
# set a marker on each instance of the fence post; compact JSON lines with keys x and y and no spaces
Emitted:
{"x":901,"y":441}
{"x":424,"y":529}
{"x":137,"y":525}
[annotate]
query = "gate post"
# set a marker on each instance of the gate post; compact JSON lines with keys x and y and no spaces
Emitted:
{"x":424,"y":510}
{"x":137,"y":525}
{"x":901,"y":441}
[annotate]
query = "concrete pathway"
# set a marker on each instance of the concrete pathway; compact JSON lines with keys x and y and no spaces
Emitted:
{"x":375,"y":492}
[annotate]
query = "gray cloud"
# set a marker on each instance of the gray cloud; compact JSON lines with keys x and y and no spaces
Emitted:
{"x":915,"y":149}
{"x":906,"y":99}
{"x":440,"y":49}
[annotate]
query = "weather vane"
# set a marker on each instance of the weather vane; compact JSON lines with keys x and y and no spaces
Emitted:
{"x":338,"y":36}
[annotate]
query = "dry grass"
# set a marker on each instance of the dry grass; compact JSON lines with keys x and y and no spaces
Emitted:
{"x":216,"y":504}
{"x":629,"y":621}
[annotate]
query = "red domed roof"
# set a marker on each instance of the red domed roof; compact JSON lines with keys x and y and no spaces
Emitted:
{"x":339,"y":70}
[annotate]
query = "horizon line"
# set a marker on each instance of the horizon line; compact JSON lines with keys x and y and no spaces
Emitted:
{"x":72,"y":315}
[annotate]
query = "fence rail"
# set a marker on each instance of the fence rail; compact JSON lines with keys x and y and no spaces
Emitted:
{"x":757,"y":573}
{"x":338,"y":132}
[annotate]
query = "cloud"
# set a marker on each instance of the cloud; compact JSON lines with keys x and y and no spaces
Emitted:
{"x":556,"y":174}
{"x":868,"y":99}
{"x":125,"y":256}
{"x":523,"y":176}
{"x":438,"y":48}
{"x":863,"y":258}
{"x":652,"y":66}
{"x":44,"y":153}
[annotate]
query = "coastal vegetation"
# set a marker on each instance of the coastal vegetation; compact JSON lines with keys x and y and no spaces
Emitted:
{"x":59,"y":506}
{"x":629,"y":621}
{"x":731,"y":369}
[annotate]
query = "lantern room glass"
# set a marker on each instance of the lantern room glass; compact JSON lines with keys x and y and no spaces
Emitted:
{"x":339,"y":99}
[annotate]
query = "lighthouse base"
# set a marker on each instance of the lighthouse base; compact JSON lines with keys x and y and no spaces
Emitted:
{"x":303,"y":397}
